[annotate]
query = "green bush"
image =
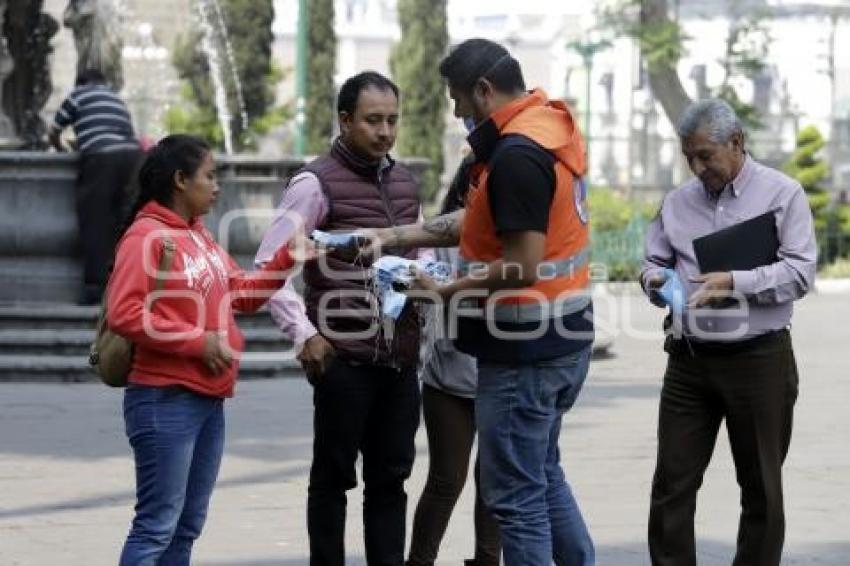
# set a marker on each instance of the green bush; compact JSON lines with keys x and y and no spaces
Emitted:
{"x":840,"y":268}
{"x":832,"y":220}
{"x":618,"y":227}
{"x":610,"y":211}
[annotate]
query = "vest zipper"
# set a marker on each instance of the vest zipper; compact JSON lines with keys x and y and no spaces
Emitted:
{"x":386,"y":201}
{"x":381,"y":337}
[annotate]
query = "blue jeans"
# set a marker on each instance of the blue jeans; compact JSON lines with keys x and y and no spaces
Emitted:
{"x":518,"y":411}
{"x":177,"y":438}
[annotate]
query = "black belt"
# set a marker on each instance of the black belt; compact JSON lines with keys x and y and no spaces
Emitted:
{"x":692,"y":347}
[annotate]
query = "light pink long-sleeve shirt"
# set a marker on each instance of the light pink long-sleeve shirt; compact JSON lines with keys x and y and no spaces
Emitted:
{"x":304,"y":204}
{"x":690,"y":212}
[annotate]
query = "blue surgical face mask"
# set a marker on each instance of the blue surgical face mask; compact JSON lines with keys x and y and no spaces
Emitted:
{"x":469,"y":123}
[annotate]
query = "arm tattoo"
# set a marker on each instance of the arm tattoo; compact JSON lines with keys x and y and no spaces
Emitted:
{"x":398,"y":235}
{"x":442,"y":227}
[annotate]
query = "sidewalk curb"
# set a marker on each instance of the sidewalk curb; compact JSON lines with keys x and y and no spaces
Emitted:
{"x":837,"y":286}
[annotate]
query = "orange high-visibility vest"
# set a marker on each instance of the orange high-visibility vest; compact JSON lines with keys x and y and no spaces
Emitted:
{"x":563,"y":276}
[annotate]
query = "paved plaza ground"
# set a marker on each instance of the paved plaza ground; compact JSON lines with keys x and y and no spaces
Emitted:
{"x":66,"y":478}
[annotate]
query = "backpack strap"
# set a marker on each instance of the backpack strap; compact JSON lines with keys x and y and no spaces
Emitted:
{"x":165,"y":262}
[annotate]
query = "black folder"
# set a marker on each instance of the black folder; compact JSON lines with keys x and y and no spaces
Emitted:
{"x":740,"y":247}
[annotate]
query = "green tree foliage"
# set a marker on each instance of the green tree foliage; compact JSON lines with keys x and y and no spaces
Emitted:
{"x":248,"y":24}
{"x":832,"y":220}
{"x":612,"y":211}
{"x":747,"y":45}
{"x":424,"y":40}
{"x":189,"y":117}
{"x":663,"y":43}
{"x":321,"y":92}
{"x":618,"y":226}
{"x":806,"y":165}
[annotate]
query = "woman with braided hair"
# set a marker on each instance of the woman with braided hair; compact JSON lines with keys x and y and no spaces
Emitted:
{"x":186,"y":345}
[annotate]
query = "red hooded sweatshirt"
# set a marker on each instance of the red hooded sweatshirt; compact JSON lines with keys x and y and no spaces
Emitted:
{"x":203,"y":287}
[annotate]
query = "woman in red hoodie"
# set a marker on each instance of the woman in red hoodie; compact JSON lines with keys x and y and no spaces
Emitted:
{"x":186,"y":345}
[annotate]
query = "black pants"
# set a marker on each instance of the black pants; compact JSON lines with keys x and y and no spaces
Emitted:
{"x":375,"y":411}
{"x":450,"y":421}
{"x":103,"y":192}
{"x":754,"y":388}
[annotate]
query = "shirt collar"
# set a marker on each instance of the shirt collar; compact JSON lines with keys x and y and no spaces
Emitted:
{"x":740,"y":182}
{"x":379,"y":167}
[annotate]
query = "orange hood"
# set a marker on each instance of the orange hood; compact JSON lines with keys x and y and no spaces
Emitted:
{"x":547,"y":122}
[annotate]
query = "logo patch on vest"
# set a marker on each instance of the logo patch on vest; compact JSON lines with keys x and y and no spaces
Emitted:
{"x":580,"y":198}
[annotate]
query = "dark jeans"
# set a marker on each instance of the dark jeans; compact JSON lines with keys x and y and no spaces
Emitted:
{"x":754,"y":388}
{"x":450,"y":422}
{"x":103,"y":192}
{"x":372,"y":410}
{"x":177,"y":438}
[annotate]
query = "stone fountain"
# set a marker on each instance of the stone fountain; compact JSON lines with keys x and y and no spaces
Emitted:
{"x":8,"y":139}
{"x":96,"y":25}
{"x":24,"y":69}
{"x":44,"y":336}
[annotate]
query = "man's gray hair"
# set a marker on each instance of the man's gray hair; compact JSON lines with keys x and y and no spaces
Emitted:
{"x":713,"y":116}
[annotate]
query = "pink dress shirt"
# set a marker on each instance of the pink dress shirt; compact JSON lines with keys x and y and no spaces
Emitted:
{"x":303,"y":205}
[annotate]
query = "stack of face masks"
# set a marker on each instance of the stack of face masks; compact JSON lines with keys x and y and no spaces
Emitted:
{"x":343,"y":240}
{"x":673,"y":292}
{"x":393,"y":274}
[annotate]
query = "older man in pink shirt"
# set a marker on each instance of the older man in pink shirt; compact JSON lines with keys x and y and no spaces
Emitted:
{"x":735,"y":364}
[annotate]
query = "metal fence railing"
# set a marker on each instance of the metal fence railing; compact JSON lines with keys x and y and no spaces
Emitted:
{"x":618,"y":254}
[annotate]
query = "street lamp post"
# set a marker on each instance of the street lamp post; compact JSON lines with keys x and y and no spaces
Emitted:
{"x":587,"y":50}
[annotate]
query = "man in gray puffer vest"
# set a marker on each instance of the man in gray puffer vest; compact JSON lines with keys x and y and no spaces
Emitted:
{"x":365,"y":391}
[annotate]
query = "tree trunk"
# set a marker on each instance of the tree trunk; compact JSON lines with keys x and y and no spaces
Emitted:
{"x":664,"y":79}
